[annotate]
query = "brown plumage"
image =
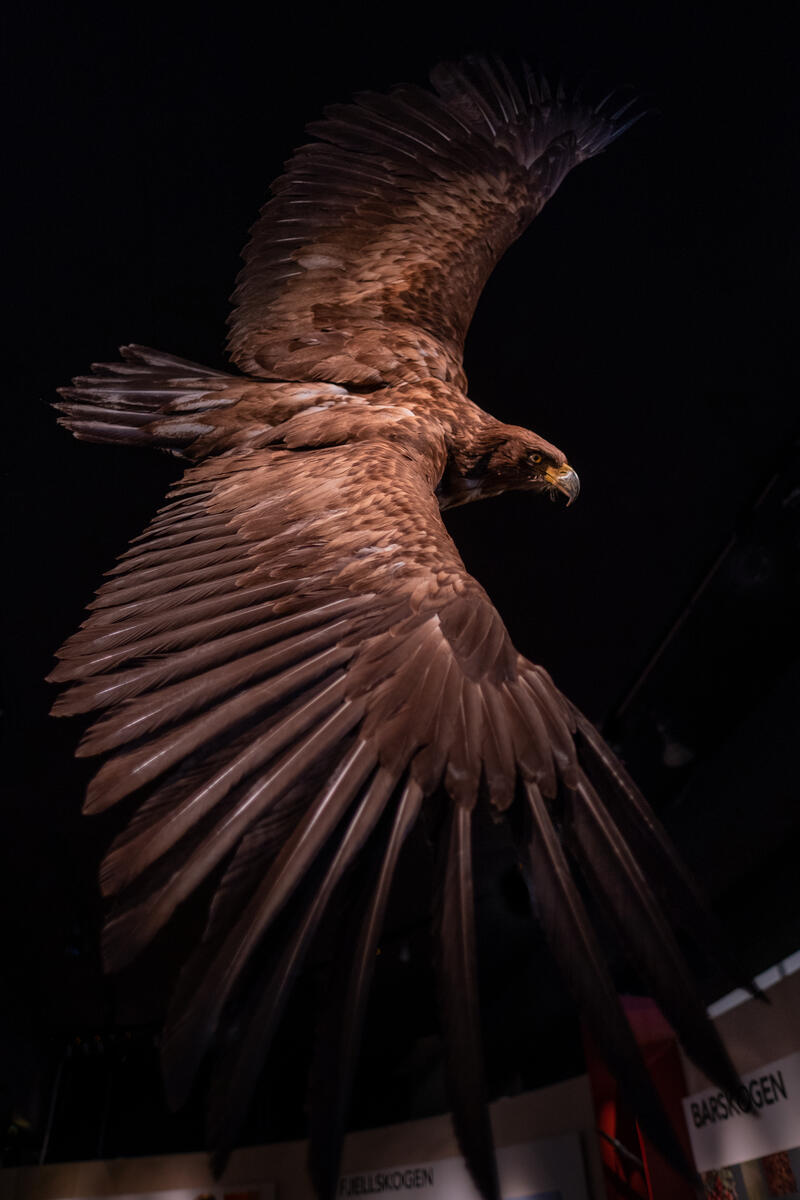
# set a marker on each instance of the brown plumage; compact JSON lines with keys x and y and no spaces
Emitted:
{"x":292,"y":660}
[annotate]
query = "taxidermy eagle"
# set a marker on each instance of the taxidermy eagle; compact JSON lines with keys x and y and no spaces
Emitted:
{"x":291,"y":662}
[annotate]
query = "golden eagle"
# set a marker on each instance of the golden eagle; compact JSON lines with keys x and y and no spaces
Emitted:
{"x":291,"y":661}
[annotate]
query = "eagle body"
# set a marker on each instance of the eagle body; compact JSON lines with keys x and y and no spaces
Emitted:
{"x":291,"y":662}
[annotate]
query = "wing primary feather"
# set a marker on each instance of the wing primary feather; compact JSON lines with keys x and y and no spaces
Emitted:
{"x":399,"y":106}
{"x":175,"y":512}
{"x":485,"y":72}
{"x":576,"y":949}
{"x":677,"y":891}
{"x":103,"y":653}
{"x":189,"y":650}
{"x":102,"y":691}
{"x":623,"y":108}
{"x":125,"y":773}
{"x":598,"y":108}
{"x":433,"y":110}
{"x":366,"y":117}
{"x":147,"y":714}
{"x":538,"y":739}
{"x":176,"y":534}
{"x":133,"y":928}
{"x":512,"y":90}
{"x":158,"y":826}
{"x":337,"y":1047}
{"x":457,"y":979}
{"x":463,"y":771}
{"x":162,"y":609}
{"x":146,"y":617}
{"x":550,"y":708}
{"x":499,"y":758}
{"x":236,"y":1081}
{"x":460,"y":92}
{"x":191,"y":1030}
{"x":157,"y":557}
{"x":221,"y":568}
{"x":620,"y":887}
{"x":212,"y":552}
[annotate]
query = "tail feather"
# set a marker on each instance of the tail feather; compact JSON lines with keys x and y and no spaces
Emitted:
{"x":148,"y":399}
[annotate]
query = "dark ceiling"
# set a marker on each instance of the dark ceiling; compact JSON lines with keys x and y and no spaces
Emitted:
{"x":646,"y":324}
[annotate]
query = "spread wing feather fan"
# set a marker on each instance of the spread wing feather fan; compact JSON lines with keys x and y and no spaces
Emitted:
{"x":291,"y":661}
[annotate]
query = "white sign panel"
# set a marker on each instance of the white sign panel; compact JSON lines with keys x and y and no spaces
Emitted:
{"x":723,"y":1129}
{"x":550,"y":1169}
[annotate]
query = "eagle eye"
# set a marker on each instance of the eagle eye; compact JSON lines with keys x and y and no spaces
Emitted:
{"x":536,"y":457}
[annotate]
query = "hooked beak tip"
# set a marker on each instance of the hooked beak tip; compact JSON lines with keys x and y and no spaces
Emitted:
{"x":566,"y":481}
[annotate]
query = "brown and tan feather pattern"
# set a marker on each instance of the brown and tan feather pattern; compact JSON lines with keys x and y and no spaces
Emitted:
{"x":291,"y":661}
{"x":367,"y":265}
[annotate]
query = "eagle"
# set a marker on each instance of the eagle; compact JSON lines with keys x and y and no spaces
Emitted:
{"x":291,"y":666}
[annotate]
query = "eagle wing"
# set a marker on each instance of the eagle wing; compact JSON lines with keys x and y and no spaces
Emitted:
{"x":285,"y":668}
{"x":366,"y":266}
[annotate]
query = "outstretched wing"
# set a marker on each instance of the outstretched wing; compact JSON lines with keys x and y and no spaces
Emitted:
{"x":287,"y":664}
{"x":366,"y":266}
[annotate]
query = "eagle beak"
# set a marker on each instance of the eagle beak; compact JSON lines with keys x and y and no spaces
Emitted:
{"x":565,"y":480}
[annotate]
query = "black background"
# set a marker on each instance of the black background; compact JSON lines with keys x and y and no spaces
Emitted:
{"x":645,"y":324}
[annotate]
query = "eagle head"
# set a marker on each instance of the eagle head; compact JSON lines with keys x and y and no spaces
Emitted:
{"x":541,"y":467}
{"x":510,"y":459}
